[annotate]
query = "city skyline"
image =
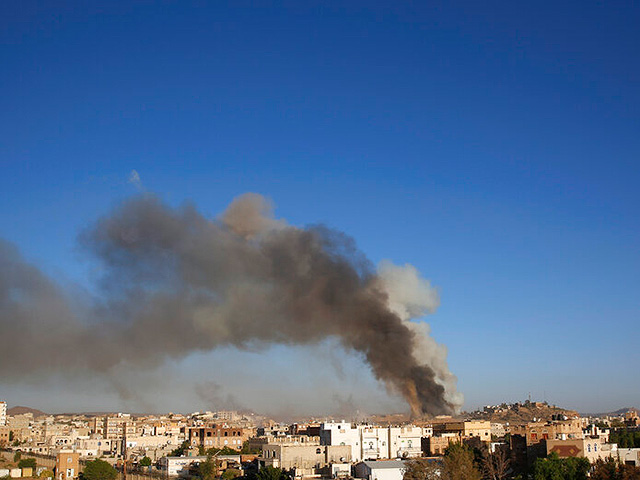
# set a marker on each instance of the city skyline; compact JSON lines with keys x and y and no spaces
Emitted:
{"x":494,"y":148}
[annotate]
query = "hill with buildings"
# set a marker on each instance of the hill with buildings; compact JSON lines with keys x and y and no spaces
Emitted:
{"x":520,"y":412}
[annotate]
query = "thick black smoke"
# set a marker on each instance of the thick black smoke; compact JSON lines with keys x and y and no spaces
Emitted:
{"x":176,"y":282}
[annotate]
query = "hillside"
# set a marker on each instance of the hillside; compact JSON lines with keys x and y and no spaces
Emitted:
{"x":19,"y":410}
{"x":515,"y":413}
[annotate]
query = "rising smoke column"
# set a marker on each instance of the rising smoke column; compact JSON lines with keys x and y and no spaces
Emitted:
{"x":175,"y":282}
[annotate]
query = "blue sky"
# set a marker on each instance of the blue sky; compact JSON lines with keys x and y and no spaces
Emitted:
{"x":493,"y":145}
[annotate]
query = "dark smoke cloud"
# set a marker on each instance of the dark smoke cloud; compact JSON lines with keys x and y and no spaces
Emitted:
{"x":215,"y":398}
{"x":176,"y":282}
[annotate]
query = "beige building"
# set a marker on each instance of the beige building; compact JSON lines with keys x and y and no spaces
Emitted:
{"x":477,"y":428}
{"x":305,"y":459}
{"x":535,"y":432}
{"x":438,"y":444}
{"x":67,"y":465}
{"x":3,"y":414}
{"x":4,"y":436}
{"x":218,"y":437}
{"x":592,"y":448}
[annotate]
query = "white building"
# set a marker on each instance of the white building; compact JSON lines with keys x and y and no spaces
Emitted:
{"x":629,"y":456}
{"x":388,"y":470}
{"x":3,"y":414}
{"x":371,"y":442}
{"x":179,"y":466}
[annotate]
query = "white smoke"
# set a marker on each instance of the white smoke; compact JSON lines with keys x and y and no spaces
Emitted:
{"x":411,"y":296}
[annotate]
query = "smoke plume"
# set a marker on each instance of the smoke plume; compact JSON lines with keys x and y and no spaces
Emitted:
{"x":175,"y":282}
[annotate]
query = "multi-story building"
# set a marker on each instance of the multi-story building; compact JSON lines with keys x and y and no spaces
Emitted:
{"x":479,"y":429}
{"x":371,"y":442}
{"x":534,"y":432}
{"x":3,"y":414}
{"x":592,"y":448}
{"x":67,"y":465}
{"x":305,"y":459}
{"x":218,"y":437}
{"x":118,"y":426}
{"x":5,"y":433}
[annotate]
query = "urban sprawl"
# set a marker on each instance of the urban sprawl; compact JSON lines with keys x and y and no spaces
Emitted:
{"x":231,"y":444}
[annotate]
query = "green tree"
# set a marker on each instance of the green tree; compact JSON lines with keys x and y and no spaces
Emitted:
{"x":423,"y":469}
{"x":605,"y":470}
{"x":27,"y":463}
{"x":145,"y":462}
{"x":458,"y":463}
{"x":17,"y":456}
{"x":99,"y":470}
{"x":46,"y":474}
{"x":230,"y":474}
{"x":178,"y":452}
{"x":247,"y":448}
{"x":271,"y":473}
{"x":556,"y":468}
{"x":609,"y":469}
{"x":209,"y":468}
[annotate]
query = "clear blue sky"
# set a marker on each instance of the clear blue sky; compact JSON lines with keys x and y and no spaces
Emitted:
{"x":494,"y":145}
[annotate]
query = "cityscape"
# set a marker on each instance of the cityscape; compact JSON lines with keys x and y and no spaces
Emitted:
{"x":319,"y":240}
{"x":243,"y":444}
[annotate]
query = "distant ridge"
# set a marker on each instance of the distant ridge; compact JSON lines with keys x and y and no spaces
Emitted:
{"x":620,"y":411}
{"x":19,"y":410}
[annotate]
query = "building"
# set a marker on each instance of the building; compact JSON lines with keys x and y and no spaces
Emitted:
{"x":629,"y":456}
{"x":67,"y":465}
{"x":218,"y":437}
{"x":380,"y":470}
{"x":437,"y":445}
{"x":304,"y":459}
{"x":478,"y":428}
{"x":3,"y":414}
{"x":117,"y":426}
{"x":369,"y":442}
{"x":179,"y":466}
{"x":591,"y":448}
{"x":535,"y":432}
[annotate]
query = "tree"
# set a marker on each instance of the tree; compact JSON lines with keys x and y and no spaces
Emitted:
{"x":230,"y":474}
{"x":27,"y":463}
{"x":17,"y":456}
{"x":99,"y":470}
{"x":556,"y":468}
{"x":271,"y":473}
{"x":458,"y":463}
{"x":247,"y":448}
{"x":178,"y":452}
{"x":495,"y":466}
{"x":422,"y":469}
{"x":46,"y":474}
{"x":145,"y":462}
{"x":209,"y":468}
{"x":609,"y":469}
{"x":605,"y":469}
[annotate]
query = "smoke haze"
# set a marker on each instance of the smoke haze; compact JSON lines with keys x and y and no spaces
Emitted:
{"x":174,"y":282}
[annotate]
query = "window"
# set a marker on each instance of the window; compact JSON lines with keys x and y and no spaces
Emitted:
{"x":595,"y":447}
{"x":318,"y":451}
{"x":588,"y":447}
